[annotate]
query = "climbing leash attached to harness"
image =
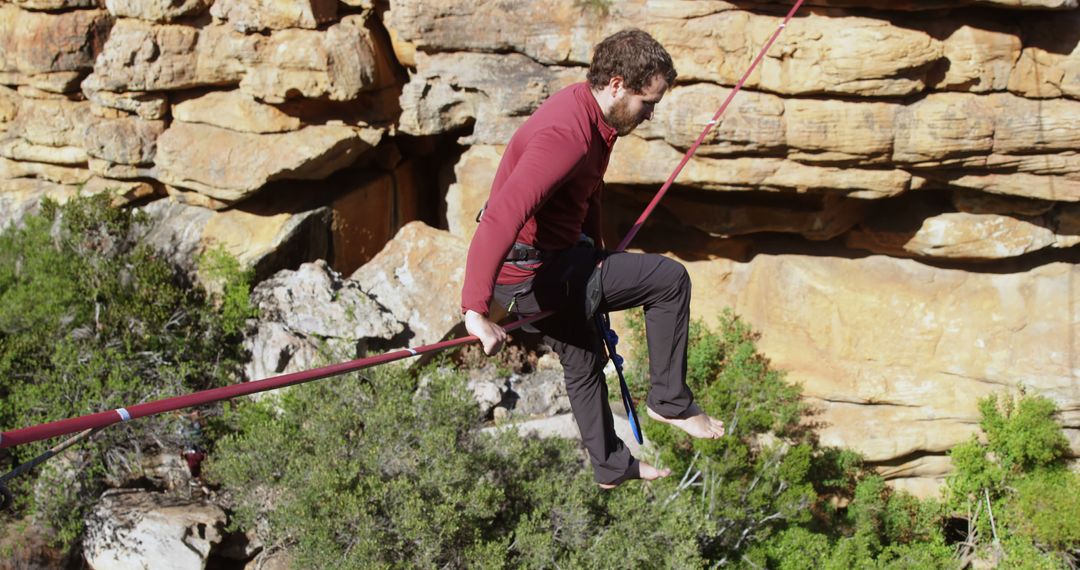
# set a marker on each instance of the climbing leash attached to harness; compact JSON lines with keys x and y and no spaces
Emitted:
{"x":610,"y":340}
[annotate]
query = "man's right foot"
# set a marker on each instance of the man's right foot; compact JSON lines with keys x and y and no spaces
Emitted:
{"x":694,"y":422}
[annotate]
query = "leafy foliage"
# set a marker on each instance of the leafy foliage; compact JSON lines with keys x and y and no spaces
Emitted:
{"x":91,"y":320}
{"x":369,"y":472}
{"x":229,"y":287}
{"x":1017,"y":476}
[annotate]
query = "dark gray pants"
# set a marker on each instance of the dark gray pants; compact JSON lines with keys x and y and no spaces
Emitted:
{"x":654,"y":282}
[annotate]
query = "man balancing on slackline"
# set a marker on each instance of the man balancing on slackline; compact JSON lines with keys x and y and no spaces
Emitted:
{"x":539,"y":241}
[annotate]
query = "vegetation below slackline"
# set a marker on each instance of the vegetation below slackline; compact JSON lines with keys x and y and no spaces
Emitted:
{"x":90,"y":320}
{"x":388,"y":468}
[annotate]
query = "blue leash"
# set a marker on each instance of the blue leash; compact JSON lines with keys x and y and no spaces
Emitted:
{"x":610,"y":340}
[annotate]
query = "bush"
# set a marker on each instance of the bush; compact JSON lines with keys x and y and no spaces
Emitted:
{"x":1017,"y":476}
{"x":92,"y":320}
{"x":1046,"y":509}
{"x":369,"y":471}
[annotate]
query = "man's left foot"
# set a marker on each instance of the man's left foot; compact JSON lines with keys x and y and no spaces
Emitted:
{"x":647,"y":472}
{"x":694,"y":422}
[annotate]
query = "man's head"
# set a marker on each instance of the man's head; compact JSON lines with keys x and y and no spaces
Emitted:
{"x":630,"y":72}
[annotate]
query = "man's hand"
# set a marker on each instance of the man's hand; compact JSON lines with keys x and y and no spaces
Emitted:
{"x":491,"y":335}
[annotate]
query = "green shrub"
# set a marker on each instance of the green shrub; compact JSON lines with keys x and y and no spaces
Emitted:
{"x":91,"y":320}
{"x":1022,"y":433}
{"x":229,"y":286}
{"x":761,"y":478}
{"x":1046,"y":509}
{"x":1018,"y":476}
{"x":360,"y":473}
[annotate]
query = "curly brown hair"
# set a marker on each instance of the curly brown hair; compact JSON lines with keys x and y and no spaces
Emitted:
{"x":633,"y":55}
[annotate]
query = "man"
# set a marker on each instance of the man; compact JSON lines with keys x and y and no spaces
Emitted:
{"x":532,"y":251}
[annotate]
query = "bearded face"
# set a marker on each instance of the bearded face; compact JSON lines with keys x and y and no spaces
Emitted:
{"x":630,"y":108}
{"x":623,"y":119}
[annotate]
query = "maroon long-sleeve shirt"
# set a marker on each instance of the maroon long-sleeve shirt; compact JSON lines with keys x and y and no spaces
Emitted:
{"x":546,"y":192}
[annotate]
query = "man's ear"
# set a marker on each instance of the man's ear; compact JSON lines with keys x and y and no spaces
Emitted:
{"x":616,"y":83}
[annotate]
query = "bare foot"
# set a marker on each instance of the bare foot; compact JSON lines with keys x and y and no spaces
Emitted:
{"x":694,"y":422}
{"x":646,"y":472}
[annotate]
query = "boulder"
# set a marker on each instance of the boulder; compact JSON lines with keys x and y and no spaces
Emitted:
{"x":418,"y":277}
{"x":312,"y":317}
{"x":132,"y":529}
{"x":263,"y":241}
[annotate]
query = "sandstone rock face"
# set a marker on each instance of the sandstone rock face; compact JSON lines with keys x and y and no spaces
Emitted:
{"x":340,"y":63}
{"x":235,"y":111}
{"x":49,"y":51}
{"x":258,"y":15}
{"x":475,"y":171}
{"x":896,"y":353}
{"x":418,"y":277}
{"x":142,"y":56}
{"x":230,"y":165}
{"x":128,"y":140}
{"x":157,"y":10}
{"x":21,"y":196}
{"x":962,"y":235}
{"x":139,"y":529}
{"x":56,"y":123}
{"x":455,"y":91}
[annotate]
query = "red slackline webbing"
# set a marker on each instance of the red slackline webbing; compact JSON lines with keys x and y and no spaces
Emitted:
{"x":101,"y":419}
